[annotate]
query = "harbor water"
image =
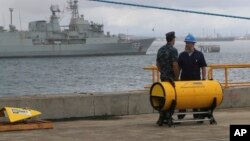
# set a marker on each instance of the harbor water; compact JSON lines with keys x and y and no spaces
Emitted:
{"x":58,"y":75}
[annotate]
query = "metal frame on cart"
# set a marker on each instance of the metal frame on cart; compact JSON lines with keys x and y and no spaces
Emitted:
{"x":166,"y":117}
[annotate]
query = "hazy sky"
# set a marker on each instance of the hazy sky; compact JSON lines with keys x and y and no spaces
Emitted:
{"x":140,"y":21}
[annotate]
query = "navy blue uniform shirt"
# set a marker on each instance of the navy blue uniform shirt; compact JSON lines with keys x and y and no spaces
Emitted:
{"x":191,"y":65}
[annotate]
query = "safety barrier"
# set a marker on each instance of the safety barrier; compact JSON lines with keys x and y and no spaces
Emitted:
{"x":226,"y":67}
{"x":155,"y":74}
{"x":210,"y":68}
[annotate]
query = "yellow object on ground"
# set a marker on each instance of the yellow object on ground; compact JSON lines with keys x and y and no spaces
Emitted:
{"x":185,"y":94}
{"x":18,"y":114}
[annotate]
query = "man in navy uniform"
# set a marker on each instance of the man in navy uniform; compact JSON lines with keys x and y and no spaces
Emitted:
{"x":192,"y":64}
{"x":167,"y":59}
{"x":167,"y":64}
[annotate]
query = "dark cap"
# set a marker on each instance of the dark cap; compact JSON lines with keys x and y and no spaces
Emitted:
{"x":170,"y":36}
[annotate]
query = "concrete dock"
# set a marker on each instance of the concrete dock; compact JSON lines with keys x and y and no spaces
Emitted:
{"x":66,"y":106}
{"x":135,"y":128}
{"x":125,"y":116}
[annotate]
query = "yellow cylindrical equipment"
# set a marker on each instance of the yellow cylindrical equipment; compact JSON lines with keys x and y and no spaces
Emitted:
{"x":186,"y":94}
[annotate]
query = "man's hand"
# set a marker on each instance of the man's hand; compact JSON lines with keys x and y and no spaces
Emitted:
{"x":203,"y":73}
{"x":176,"y":70}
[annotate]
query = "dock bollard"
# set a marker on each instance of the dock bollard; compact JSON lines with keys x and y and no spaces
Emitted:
{"x":164,"y":97}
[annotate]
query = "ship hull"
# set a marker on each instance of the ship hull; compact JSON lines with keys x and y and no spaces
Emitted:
{"x":21,"y":47}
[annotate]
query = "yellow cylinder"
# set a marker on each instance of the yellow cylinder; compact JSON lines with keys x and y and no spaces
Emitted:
{"x":186,"y":94}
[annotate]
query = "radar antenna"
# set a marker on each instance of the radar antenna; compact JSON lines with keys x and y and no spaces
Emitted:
{"x":54,"y":9}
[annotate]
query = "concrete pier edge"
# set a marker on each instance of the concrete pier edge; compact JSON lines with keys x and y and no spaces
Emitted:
{"x":107,"y":104}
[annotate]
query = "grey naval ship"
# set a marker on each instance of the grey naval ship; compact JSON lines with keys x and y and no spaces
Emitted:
{"x":80,"y":38}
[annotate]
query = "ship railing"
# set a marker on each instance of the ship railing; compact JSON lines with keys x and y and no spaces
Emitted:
{"x":155,"y":74}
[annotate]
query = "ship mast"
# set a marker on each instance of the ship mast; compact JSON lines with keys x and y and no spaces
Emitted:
{"x":73,"y":6}
{"x":54,"y":22}
{"x":11,"y":26}
{"x":11,"y":11}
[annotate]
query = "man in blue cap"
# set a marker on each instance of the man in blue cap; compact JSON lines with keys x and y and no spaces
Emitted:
{"x":192,"y":64}
{"x":167,"y":63}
